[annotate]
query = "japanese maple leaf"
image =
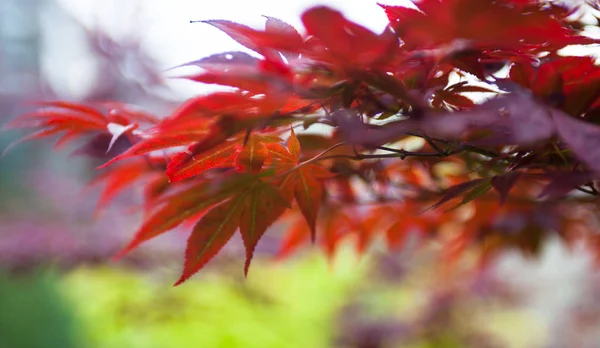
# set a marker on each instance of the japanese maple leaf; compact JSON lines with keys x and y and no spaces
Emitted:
{"x":251,"y":211}
{"x":246,"y":154}
{"x":191,"y":201}
{"x":277,"y":36}
{"x":76,"y":121}
{"x":304,"y":182}
{"x":507,"y":24}
{"x":73,"y":120}
{"x":194,"y":121}
{"x":120,"y":177}
{"x":256,"y":207}
{"x":345,"y":44}
{"x":570,"y":83}
{"x":240,"y":70}
{"x":198,"y":125}
{"x":249,"y":199}
{"x":333,"y":39}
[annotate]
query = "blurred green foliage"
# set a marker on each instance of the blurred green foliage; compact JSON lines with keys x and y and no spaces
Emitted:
{"x":274,"y":307}
{"x":302,"y":302}
{"x":33,"y":312}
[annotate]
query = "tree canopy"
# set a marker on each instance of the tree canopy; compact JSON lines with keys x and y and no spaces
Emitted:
{"x":462,"y":123}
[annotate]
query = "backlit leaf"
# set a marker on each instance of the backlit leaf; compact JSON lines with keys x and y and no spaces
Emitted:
{"x":277,"y":26}
{"x":263,"y":206}
{"x":119,"y":178}
{"x":294,"y":145}
{"x":252,"y":155}
{"x":210,"y":234}
{"x":201,"y":157}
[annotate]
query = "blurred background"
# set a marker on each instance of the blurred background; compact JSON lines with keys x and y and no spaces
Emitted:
{"x":58,"y":287}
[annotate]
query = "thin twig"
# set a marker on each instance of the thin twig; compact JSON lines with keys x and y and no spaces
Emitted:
{"x":313,"y":159}
{"x":398,"y":153}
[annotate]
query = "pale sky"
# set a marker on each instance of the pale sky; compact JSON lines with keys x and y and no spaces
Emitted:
{"x":166,"y":33}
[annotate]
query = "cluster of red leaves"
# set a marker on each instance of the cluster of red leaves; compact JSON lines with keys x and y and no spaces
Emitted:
{"x":494,"y":174}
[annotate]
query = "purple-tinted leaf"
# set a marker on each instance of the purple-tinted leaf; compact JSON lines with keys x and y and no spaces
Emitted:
{"x":503,"y":183}
{"x":455,"y":191}
{"x":513,"y":120}
{"x":117,"y":132}
{"x":522,"y":160}
{"x":350,"y":125}
{"x":581,"y":137}
{"x":356,"y":132}
{"x":278,"y":26}
{"x":530,"y":121}
{"x":561,"y":183}
{"x":235,"y":31}
{"x":246,"y":36}
{"x":103,"y":146}
{"x":234,"y":57}
{"x":388,"y":84}
{"x":477,"y":191}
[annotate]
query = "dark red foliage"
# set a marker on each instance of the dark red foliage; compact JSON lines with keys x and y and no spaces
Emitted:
{"x":418,"y":115}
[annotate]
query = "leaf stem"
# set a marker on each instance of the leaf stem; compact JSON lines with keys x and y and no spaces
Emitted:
{"x":313,"y":159}
{"x":397,"y":153}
